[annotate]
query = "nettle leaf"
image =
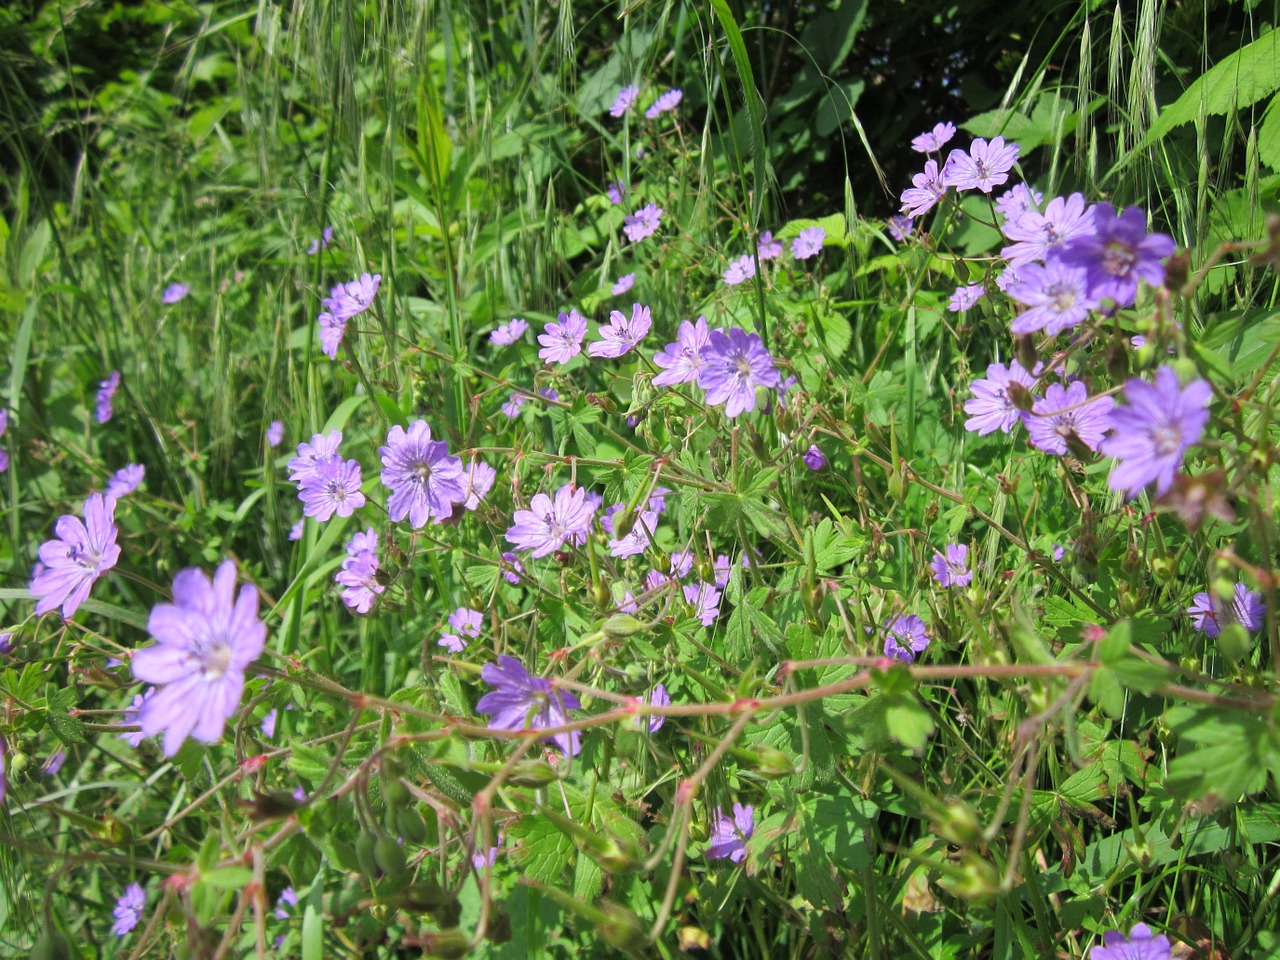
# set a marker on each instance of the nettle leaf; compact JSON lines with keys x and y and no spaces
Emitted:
{"x":543,"y":851}
{"x":1221,"y":753}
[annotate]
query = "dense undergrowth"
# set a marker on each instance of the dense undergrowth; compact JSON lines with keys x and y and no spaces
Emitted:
{"x":385,"y":380}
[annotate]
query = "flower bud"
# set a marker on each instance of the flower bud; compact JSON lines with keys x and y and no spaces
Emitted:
{"x":772,"y":763}
{"x":1234,"y":642}
{"x":1020,"y":396}
{"x":365,"y":844}
{"x":621,"y":928}
{"x":976,"y":879}
{"x":1163,"y":569}
{"x":621,"y":626}
{"x":449,"y":944}
{"x":532,"y":773}
{"x":958,"y":824}
{"x":601,"y":596}
{"x":390,"y":857}
{"x":395,"y":792}
{"x":1024,"y":348}
{"x":1176,"y":270}
{"x":411,"y":826}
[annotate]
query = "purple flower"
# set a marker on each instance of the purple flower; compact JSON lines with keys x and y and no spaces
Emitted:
{"x":1037,"y":234}
{"x":736,"y":364}
{"x":275,"y":433}
{"x":900,"y":227}
{"x":128,"y":909}
{"x":323,"y":446}
{"x":935,"y":139}
{"x":621,"y":335}
{"x":658,"y":698}
{"x":106,"y":390}
{"x":477,"y":481}
{"x":295,"y":532}
{"x":682,"y":361}
{"x":425,"y":481}
{"x":808,"y":243}
{"x":511,"y":409}
{"x":1058,"y":553}
{"x":729,"y":837}
{"x":332,"y":487}
{"x":986,"y":165}
{"x":51,"y":766}
{"x":768,"y":248}
{"x":509,"y":333}
{"x":268,"y":726}
{"x":616,"y":192}
{"x":1067,"y":412}
{"x":643,"y":223}
{"x":991,"y":408}
{"x":1057,"y":294}
{"x":130,"y":717}
{"x":480,"y":860}
{"x":681,"y":562}
{"x":815,"y":459}
{"x":359,"y":572}
{"x":1209,"y":615}
{"x":905,"y":637}
{"x":742,"y":269}
{"x":524,"y":702}
{"x":1118,"y":253}
{"x":77,"y":557}
{"x":332,"y":330}
{"x":288,"y":898}
{"x":547,"y":524}
{"x":206,"y":639}
{"x":6,"y":642}
{"x":624,"y":101}
{"x":637,"y":539}
{"x":1017,"y":200}
{"x":452,"y":642}
{"x":466,"y":621}
{"x":1154,"y":429}
{"x":623,"y":284}
{"x":125,"y":480}
{"x":563,"y":339}
{"x":965,"y":297}
{"x":705,"y":600}
{"x":511,"y":568}
{"x":346,"y":300}
{"x":320,"y":243}
{"x":668,"y":101}
{"x":927,"y":191}
{"x":1140,"y":945}
{"x":723,"y":566}
{"x":175,"y":292}
{"x":952,"y":569}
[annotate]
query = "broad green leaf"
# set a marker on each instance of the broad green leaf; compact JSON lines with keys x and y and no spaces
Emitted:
{"x":1235,"y":82}
{"x":543,"y":851}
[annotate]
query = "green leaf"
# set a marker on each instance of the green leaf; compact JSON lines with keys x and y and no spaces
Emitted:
{"x":909,"y":722}
{"x":69,"y":729}
{"x":544,"y":850}
{"x":836,"y":333}
{"x":1226,"y":754}
{"x":312,"y":933}
{"x":1237,"y":81}
{"x":310,"y":763}
{"x":229,"y":878}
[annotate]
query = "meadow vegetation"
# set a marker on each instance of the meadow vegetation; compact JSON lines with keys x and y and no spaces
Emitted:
{"x":510,"y":479}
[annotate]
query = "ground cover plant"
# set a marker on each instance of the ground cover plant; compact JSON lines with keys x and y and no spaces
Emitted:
{"x":507,"y":480}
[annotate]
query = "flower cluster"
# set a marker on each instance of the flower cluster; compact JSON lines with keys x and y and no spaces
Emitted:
{"x":345,"y":300}
{"x":358,"y":575}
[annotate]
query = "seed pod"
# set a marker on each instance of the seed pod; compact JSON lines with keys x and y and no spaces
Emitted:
{"x":411,"y":826}
{"x":621,"y":626}
{"x":389,"y":855}
{"x":365,"y":854}
{"x":396,"y":793}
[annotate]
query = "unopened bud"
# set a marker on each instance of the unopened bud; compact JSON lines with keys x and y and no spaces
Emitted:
{"x":976,"y":879}
{"x":621,"y":626}
{"x":1118,"y":360}
{"x":1024,"y":348}
{"x":1020,"y":396}
{"x":449,"y":944}
{"x":411,"y":826}
{"x":601,"y":596}
{"x":1234,"y":642}
{"x":390,"y":857}
{"x":772,"y":763}
{"x":1163,"y":569}
{"x":958,"y":824}
{"x":532,"y":773}
{"x":1176,"y":270}
{"x":621,"y":928}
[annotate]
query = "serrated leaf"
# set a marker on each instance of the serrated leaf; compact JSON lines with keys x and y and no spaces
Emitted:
{"x":837,"y":334}
{"x":68,"y":729}
{"x":310,"y":763}
{"x":544,"y":850}
{"x":908,"y":722}
{"x":1224,"y":754}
